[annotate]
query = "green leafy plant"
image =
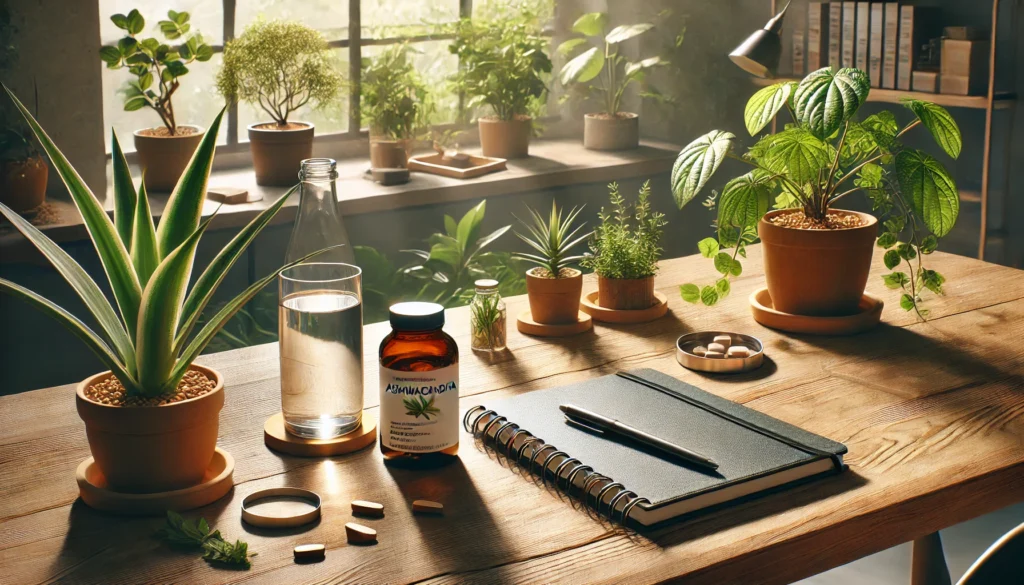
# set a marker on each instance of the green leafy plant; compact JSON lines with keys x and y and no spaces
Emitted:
{"x":148,"y":346}
{"x":156,"y":66}
{"x":420,"y":406}
{"x":552,"y":239}
{"x":196,"y":535}
{"x":601,"y":67}
{"x":279,"y":67}
{"x":821,"y":157}
{"x":626,"y":245}
{"x":503,"y":64}
{"x":395,"y":101}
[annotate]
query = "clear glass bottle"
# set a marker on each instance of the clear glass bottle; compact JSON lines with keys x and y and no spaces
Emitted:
{"x":317,"y":222}
{"x":487,"y":317}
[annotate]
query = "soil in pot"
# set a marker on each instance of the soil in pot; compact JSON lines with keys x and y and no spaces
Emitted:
{"x":24,"y":184}
{"x":554,"y":301}
{"x":619,"y":131}
{"x":817,"y":267}
{"x":163,"y":157}
{"x":278,"y":151}
{"x":625,"y":294}
{"x":505,"y":138}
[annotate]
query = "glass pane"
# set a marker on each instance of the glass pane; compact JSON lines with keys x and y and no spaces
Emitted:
{"x":207,"y":17}
{"x":330,"y":17}
{"x":435,"y":65}
{"x":330,"y":119}
{"x":380,"y":17}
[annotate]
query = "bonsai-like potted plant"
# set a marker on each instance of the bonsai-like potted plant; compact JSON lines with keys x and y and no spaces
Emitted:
{"x":817,"y":257}
{"x":504,"y":66}
{"x":157,"y":69}
{"x":607,"y":74}
{"x":553,"y":286}
{"x":625,"y":251}
{"x":394,"y":104}
{"x":152,"y":419}
{"x":280,"y":67}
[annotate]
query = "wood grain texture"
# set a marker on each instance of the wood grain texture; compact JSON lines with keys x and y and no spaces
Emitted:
{"x":933,"y":415}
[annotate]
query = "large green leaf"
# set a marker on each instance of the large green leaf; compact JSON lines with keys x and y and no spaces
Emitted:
{"x":940,"y":123}
{"x":633,"y":68}
{"x":763,"y":105}
{"x":583,"y":67}
{"x":567,"y":47}
{"x":145,"y":256}
{"x":796,"y":153}
{"x":185,"y":206}
{"x":626,"y":32}
{"x":930,"y":189}
{"x":826,"y":99}
{"x":124,"y":193}
{"x":696,"y":163}
{"x":468,"y":229}
{"x":591,"y":24}
{"x":113,"y":255}
{"x":744,"y":200}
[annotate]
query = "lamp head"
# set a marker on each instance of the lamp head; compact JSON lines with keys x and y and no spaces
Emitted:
{"x":759,"y":54}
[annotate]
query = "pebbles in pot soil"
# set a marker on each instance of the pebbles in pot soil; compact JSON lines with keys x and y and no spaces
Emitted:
{"x":110,"y":391}
{"x":833,"y":221}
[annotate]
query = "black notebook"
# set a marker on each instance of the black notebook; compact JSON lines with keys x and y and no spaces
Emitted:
{"x":622,"y":480}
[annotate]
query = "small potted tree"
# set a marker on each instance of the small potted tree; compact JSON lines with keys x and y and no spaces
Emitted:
{"x":553,"y":286}
{"x":394,"y":104}
{"x":602,"y":71}
{"x":280,"y":67}
{"x":152,"y":419}
{"x":816,"y":256}
{"x":504,"y":66}
{"x":157,"y":69}
{"x":625,"y":251}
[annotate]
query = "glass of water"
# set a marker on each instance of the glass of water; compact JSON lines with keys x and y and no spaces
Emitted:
{"x":321,"y":331}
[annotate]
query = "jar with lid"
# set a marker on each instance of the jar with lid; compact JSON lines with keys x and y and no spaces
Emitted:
{"x":419,"y":388}
{"x":487,"y":317}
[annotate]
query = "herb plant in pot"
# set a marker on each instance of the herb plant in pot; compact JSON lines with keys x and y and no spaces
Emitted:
{"x":394,"y":104}
{"x":279,"y":67}
{"x":504,"y":66}
{"x":602,"y":71}
{"x":817,"y":257}
{"x":152,"y":418}
{"x":157,"y":68}
{"x":625,"y":250}
{"x":553,"y":286}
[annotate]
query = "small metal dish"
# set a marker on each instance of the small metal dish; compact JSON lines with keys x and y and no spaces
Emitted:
{"x":723,"y":365}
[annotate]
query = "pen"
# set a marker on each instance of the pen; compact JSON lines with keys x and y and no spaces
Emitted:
{"x":592,"y":420}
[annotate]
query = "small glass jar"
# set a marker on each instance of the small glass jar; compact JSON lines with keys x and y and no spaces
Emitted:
{"x":487,"y":317}
{"x":419,"y":388}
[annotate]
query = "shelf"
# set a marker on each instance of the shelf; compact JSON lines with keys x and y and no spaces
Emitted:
{"x":1003,"y":100}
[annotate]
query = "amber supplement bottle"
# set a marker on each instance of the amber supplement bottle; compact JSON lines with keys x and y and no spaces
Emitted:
{"x":419,"y":388}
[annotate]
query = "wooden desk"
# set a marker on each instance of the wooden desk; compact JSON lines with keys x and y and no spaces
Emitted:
{"x":933,"y":415}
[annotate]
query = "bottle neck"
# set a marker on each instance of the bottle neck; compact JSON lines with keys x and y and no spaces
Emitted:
{"x":318,"y":194}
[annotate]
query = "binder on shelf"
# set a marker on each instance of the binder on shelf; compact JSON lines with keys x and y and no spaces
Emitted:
{"x":835,"y":34}
{"x":817,"y":35}
{"x":875,"y":34}
{"x":863,"y":27}
{"x":890,"y":43}
{"x":799,"y":66}
{"x":918,"y":24}
{"x":849,"y":32}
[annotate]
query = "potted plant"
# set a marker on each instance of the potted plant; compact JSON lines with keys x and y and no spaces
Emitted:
{"x":552,"y":286}
{"x":504,"y":66}
{"x":817,"y":256}
{"x":607,"y":74}
{"x":394,"y":104}
{"x":280,"y":67}
{"x":157,"y":69}
{"x":625,"y":250}
{"x":152,"y":419}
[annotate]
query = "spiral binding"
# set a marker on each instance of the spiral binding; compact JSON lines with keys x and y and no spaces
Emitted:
{"x":599,"y":494}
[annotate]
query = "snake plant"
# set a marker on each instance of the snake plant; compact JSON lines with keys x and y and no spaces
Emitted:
{"x":147,"y":342}
{"x":553,"y":238}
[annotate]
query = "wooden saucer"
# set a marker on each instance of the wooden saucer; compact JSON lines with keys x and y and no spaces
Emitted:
{"x":868,"y":316}
{"x":217,"y":482}
{"x":526,"y":324}
{"x":589,"y":305}
{"x":278,"y":439}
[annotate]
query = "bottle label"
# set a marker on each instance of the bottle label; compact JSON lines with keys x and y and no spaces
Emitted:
{"x":419,"y":411}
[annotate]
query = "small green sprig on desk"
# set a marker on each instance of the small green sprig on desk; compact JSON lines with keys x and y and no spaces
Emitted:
{"x":627,"y":244}
{"x":181,"y":533}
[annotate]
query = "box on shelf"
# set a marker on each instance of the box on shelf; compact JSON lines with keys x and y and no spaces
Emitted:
{"x":966,"y":33}
{"x":925,"y":81}
{"x":964,"y":67}
{"x":962,"y":85}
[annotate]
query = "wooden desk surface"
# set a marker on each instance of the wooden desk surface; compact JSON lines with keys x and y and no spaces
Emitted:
{"x":933,"y":415}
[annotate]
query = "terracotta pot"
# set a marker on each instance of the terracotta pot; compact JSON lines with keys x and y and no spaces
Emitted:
{"x":554,"y":301}
{"x":619,"y":132}
{"x":24,"y":183}
{"x":388,"y":154}
{"x":278,"y":154}
{"x":505,"y":138}
{"x":157,"y":448}
{"x":625,"y":294}
{"x":164,"y":158}
{"x":817,"y":272}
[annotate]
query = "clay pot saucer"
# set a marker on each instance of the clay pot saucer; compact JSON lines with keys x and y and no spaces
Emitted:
{"x":589,"y":305}
{"x":528,"y":326}
{"x":868,"y":315}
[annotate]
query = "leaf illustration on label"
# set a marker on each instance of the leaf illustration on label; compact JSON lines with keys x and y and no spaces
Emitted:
{"x":419,"y":406}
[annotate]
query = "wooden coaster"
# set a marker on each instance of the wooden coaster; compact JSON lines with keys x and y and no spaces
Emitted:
{"x":217,"y":482}
{"x":868,"y":316}
{"x":588,"y":304}
{"x":231,"y":195}
{"x":527,"y":325}
{"x":278,"y":439}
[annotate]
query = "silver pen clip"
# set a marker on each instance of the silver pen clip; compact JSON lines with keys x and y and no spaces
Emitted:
{"x":580,"y":424}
